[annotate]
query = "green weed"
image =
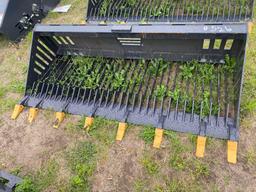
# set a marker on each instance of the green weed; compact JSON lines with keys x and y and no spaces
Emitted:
{"x":7,"y":104}
{"x":200,"y":169}
{"x":147,"y":134}
{"x":139,"y":185}
{"x":176,"y":186}
{"x":103,"y":131}
{"x":250,"y":157}
{"x":82,"y":162}
{"x":26,"y":186}
{"x":40,"y":180}
{"x":150,"y":165}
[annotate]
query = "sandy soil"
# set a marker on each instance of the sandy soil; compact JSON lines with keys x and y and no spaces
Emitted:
{"x":28,"y":145}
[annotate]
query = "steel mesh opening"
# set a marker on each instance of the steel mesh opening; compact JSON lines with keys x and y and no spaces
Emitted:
{"x":170,"y":10}
{"x":189,"y":88}
{"x":176,"y":81}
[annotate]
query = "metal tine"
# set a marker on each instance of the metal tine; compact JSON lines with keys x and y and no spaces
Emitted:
{"x":132,"y":88}
{"x":144,"y":93}
{"x":84,"y":98}
{"x":183,"y":10}
{"x":173,"y":11}
{"x":173,"y":88}
{"x":226,"y":97}
{"x":109,"y":85}
{"x":218,"y":14}
{"x":46,"y":74}
{"x":140,"y":86}
{"x":166,"y":85}
{"x":108,"y":16}
{"x":69,"y":68}
{"x":153,"y":88}
{"x":117,"y":92}
{"x":211,"y":102}
{"x":46,"y":92}
{"x":66,"y":68}
{"x":246,"y":13}
{"x":118,"y":12}
{"x":235,"y":10}
{"x":52,"y":90}
{"x":219,"y":91}
{"x":207,"y":11}
{"x":178,"y":101}
{"x":137,"y":11}
{"x":118,"y":7}
{"x":78,"y":95}
{"x":187,"y":11}
{"x":128,"y":78}
{"x":42,"y":90}
{"x":96,"y":9}
{"x":146,"y":7}
{"x":160,"y":83}
{"x":194,"y":97}
{"x":185,"y":102}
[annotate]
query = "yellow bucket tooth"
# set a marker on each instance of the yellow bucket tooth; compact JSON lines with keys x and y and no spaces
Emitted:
{"x":121,"y":130}
{"x":200,"y":146}
{"x":32,"y":114}
{"x":59,"y":119}
{"x":88,"y":123}
{"x":158,"y":138}
{"x":232,"y":152}
{"x":250,"y":27}
{"x":17,"y":111}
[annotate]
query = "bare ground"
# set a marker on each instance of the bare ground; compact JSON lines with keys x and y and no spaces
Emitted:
{"x":30,"y":145}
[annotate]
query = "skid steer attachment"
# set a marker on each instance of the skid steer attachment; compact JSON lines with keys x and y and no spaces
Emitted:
{"x":169,"y":11}
{"x":174,"y":65}
{"x":186,"y":78}
{"x":17,"y":17}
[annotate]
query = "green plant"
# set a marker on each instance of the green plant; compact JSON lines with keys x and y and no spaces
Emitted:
{"x":176,"y":186}
{"x":175,"y":94}
{"x":229,"y":65}
{"x":105,"y":6}
{"x":147,"y":134}
{"x":187,"y":71}
{"x":119,"y":80}
{"x":160,"y":91}
{"x":81,"y":160}
{"x":26,"y":186}
{"x":177,"y":161}
{"x":139,"y":185}
{"x":157,"y":66}
{"x":200,"y":169}
{"x":150,"y":165}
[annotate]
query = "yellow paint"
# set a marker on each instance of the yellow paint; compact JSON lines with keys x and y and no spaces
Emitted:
{"x":32,"y":114}
{"x":17,"y":111}
{"x":200,"y":147}
{"x":103,"y":23}
{"x":88,"y":123}
{"x":250,"y":27}
{"x":158,"y":138}
{"x":232,"y":152}
{"x":120,"y":132}
{"x":59,"y":119}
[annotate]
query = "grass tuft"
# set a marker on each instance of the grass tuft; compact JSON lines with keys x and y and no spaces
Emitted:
{"x":82,"y":161}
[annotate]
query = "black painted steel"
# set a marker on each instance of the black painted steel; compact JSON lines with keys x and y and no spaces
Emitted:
{"x":141,"y":11}
{"x":18,"y":17}
{"x":8,"y":182}
{"x":53,"y":60}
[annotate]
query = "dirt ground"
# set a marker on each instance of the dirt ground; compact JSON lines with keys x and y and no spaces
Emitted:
{"x":130,"y":165}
